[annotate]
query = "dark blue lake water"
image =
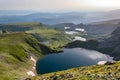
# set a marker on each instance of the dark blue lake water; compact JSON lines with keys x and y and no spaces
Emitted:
{"x":70,"y":58}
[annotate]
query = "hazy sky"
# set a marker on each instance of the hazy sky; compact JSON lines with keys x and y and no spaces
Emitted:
{"x":56,"y":5}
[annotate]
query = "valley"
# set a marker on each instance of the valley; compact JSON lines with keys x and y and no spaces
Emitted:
{"x":57,"y":49}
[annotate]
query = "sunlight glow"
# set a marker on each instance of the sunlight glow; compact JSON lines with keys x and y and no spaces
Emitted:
{"x":103,"y":3}
{"x":59,"y":5}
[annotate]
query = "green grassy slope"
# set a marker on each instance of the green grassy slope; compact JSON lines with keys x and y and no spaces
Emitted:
{"x":96,"y":72}
{"x":39,"y":31}
{"x":15,"y":52}
{"x":56,"y":38}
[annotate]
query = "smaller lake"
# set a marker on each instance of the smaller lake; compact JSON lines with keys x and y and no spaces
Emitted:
{"x":70,"y":58}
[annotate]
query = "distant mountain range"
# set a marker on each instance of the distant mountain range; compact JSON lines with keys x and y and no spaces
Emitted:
{"x":56,"y":18}
{"x":15,"y":12}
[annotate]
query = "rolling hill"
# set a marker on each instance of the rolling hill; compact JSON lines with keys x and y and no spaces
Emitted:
{"x":16,"y":51}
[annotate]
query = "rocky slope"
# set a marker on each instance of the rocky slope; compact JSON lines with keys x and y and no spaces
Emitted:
{"x":112,"y":44}
{"x":108,"y":71}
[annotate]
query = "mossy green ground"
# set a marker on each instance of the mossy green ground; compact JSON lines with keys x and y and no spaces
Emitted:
{"x":95,"y":72}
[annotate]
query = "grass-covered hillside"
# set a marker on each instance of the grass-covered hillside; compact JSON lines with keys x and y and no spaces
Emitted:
{"x":54,"y":37}
{"x":41,"y":32}
{"x":108,"y":71}
{"x":23,"y":43}
{"x":16,"y":50}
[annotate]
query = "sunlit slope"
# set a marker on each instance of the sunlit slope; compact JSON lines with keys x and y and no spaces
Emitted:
{"x":108,"y":71}
{"x":15,"y":52}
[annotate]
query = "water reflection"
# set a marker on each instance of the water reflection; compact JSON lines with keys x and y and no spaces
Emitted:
{"x":70,"y":58}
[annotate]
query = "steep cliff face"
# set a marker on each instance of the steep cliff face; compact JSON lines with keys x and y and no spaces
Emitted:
{"x":112,"y":44}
